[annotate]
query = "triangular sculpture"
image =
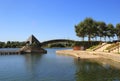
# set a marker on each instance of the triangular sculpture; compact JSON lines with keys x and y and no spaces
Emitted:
{"x":32,"y":46}
{"x":33,"y":40}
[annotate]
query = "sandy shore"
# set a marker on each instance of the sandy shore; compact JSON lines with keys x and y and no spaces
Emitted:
{"x":90,"y":54}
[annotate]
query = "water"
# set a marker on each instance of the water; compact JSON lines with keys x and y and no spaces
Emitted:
{"x":10,"y":49}
{"x":53,"y":67}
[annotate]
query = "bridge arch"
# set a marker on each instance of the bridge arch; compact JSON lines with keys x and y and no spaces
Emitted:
{"x":57,"y":41}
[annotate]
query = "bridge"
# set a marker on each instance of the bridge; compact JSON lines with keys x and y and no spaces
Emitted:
{"x":34,"y":46}
{"x":65,"y":41}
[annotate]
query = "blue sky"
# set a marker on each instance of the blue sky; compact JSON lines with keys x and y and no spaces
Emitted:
{"x":52,"y":19}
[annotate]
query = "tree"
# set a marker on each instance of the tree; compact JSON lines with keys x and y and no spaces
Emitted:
{"x":8,"y":44}
{"x":80,"y":30}
{"x":94,"y":29}
{"x":118,"y":31}
{"x":86,"y":28}
{"x":90,"y":26}
{"x":2,"y":44}
{"x":110,"y":31}
{"x":100,"y":28}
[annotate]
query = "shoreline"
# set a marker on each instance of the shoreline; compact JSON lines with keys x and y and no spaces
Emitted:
{"x":89,"y":54}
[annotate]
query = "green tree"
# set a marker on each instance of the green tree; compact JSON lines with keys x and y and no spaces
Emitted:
{"x":95,"y":31}
{"x":2,"y":44}
{"x":8,"y":44}
{"x":89,"y":25}
{"x":118,"y":31}
{"x":86,"y":28}
{"x":100,"y":28}
{"x":110,"y":31}
{"x":80,"y":30}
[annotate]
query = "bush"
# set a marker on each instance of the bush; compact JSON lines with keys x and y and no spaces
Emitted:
{"x":56,"y":45}
{"x":86,"y":44}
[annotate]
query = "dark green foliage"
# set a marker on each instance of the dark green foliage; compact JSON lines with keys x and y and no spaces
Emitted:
{"x":11,"y":44}
{"x":86,"y":44}
{"x":94,"y":29}
{"x":110,"y":31}
{"x":57,"y":45}
{"x":118,"y":30}
{"x":86,"y":28}
{"x":101,"y":29}
{"x":2,"y":44}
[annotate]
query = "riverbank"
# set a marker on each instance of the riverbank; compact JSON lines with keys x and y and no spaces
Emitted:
{"x":90,"y":54}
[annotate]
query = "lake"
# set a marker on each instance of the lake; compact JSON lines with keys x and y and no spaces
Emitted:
{"x":53,"y":67}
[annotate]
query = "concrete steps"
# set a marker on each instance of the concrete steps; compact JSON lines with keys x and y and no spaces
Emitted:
{"x":103,"y":47}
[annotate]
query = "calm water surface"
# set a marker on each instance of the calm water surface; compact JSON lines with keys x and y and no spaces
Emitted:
{"x":53,"y":67}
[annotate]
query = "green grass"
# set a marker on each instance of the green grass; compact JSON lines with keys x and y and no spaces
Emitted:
{"x":92,"y":47}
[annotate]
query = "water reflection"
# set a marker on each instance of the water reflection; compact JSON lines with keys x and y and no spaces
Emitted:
{"x":32,"y":61}
{"x":53,"y":67}
{"x":87,"y":70}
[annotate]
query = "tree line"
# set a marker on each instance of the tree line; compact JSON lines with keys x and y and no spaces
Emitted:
{"x":12,"y":44}
{"x":97,"y":29}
